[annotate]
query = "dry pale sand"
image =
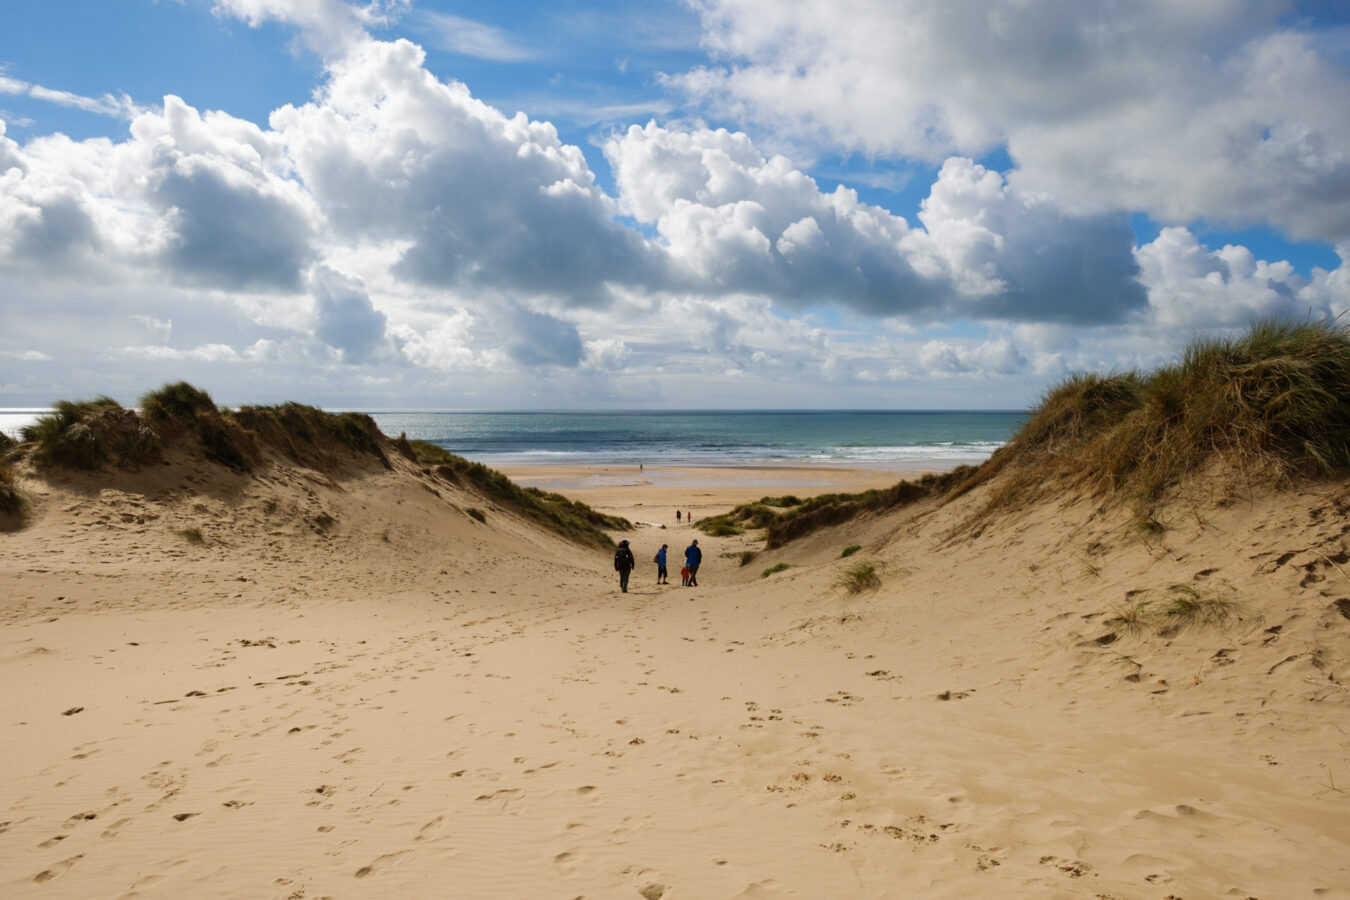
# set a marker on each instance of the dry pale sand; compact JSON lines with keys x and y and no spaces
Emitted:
{"x":352,"y":688}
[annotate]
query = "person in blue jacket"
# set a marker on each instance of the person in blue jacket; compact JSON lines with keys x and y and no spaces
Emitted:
{"x":661,"y":565}
{"x":692,"y":557}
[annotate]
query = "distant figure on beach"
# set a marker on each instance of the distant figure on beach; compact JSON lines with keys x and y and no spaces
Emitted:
{"x":692,"y":557}
{"x":660,"y":560}
{"x":623,"y":564}
{"x":677,"y":517}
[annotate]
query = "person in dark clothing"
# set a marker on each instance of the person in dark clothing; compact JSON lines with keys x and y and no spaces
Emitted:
{"x":661,"y":577}
{"x":623,"y":564}
{"x":692,"y":557}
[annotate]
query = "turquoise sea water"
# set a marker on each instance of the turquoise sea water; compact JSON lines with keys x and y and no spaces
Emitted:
{"x":889,"y":439}
{"x":876,"y":439}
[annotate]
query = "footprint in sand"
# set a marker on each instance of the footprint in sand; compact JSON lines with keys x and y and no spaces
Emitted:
{"x":51,"y":872}
{"x":379,"y":863}
{"x":507,"y":797}
{"x":112,"y":830}
{"x":430,"y":830}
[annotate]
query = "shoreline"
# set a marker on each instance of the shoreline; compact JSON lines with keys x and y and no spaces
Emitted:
{"x":699,"y":490}
{"x":758,"y":474}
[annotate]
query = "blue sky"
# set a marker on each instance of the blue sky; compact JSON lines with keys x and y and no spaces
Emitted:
{"x":723,"y":203}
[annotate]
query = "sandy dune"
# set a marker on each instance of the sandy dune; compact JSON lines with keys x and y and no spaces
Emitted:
{"x":350,"y":687}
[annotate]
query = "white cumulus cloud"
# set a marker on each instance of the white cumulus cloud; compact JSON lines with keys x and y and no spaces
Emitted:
{"x":1184,"y":110}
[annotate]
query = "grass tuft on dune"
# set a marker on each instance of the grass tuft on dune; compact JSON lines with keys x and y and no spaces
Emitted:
{"x":89,"y":434}
{"x":180,"y":408}
{"x":312,"y":437}
{"x":859,"y":577}
{"x":11,"y":501}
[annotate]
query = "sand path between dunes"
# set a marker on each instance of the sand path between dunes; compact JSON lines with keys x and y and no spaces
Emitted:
{"x":406,"y":715}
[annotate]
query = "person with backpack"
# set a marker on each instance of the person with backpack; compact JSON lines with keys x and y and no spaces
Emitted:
{"x":660,"y":560}
{"x":623,"y":564}
{"x":692,"y":557}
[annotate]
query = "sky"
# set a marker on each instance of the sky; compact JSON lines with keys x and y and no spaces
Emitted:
{"x":594,"y":204}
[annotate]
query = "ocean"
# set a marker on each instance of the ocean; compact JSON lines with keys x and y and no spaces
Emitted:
{"x":900,"y":440}
{"x":874,"y":439}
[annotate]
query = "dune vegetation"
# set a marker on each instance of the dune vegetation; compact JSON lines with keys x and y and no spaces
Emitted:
{"x":570,"y":518}
{"x":94,"y":434}
{"x":89,"y":434}
{"x":1268,"y":406}
{"x":787,"y":518}
{"x":859,"y":577}
{"x":11,"y":501}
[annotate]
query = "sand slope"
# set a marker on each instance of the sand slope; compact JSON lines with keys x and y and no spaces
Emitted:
{"x":407,"y":702}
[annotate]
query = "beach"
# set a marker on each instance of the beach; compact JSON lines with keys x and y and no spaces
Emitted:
{"x":311,"y":683}
{"x":655,"y":493}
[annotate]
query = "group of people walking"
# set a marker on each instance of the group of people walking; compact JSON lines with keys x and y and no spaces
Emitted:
{"x":624,"y":563}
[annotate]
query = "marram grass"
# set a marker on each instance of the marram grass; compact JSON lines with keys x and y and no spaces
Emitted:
{"x":1272,"y":404}
{"x":97,"y":433}
{"x":859,"y":577}
{"x":572,"y":519}
{"x":787,"y":518}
